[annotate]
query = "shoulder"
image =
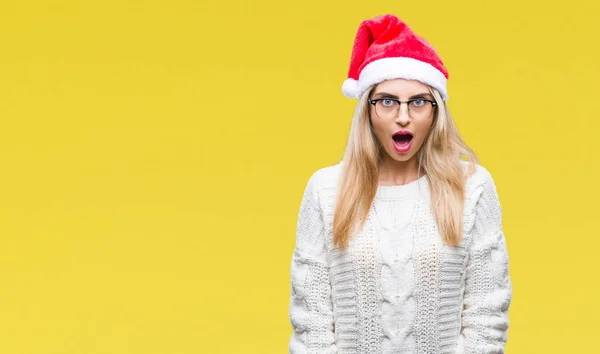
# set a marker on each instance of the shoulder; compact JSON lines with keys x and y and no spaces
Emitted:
{"x":479,"y":179}
{"x":482,"y":199}
{"x":325,"y":177}
{"x":322,"y":184}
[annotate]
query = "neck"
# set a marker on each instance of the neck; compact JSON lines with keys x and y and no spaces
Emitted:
{"x":392,"y":172}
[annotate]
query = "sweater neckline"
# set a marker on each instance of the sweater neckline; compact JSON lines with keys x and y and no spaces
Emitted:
{"x":385,"y":192}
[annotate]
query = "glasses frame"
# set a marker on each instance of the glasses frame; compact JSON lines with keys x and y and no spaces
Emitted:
{"x":374,"y":102}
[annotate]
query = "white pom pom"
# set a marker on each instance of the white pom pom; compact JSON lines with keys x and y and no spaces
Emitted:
{"x":350,"y":88}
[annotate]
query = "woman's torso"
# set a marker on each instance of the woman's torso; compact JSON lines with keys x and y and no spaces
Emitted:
{"x":397,"y":288}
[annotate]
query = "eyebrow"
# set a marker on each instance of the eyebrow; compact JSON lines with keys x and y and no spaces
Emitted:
{"x":385,"y":94}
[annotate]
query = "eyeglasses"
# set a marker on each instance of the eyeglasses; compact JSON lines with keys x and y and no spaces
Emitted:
{"x":418,"y":108}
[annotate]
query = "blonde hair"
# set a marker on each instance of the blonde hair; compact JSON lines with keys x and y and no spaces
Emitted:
{"x":438,"y":159}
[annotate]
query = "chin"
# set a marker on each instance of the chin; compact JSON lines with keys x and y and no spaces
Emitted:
{"x":400,"y":157}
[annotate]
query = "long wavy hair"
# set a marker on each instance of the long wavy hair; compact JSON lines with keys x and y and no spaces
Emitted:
{"x":438,"y":159}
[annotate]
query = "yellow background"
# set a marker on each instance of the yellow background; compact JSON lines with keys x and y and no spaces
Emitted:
{"x":154,"y":154}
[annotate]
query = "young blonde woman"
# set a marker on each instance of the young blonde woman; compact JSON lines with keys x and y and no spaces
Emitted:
{"x":399,"y":247}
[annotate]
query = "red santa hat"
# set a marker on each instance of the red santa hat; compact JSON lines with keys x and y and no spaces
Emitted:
{"x":386,"y":48}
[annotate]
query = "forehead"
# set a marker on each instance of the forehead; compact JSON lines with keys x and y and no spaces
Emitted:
{"x":401,"y":87}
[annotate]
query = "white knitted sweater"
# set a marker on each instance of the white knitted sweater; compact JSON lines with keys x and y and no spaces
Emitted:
{"x":399,"y":288}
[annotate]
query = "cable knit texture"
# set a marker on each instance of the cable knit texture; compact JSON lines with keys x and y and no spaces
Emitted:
{"x":398,"y":288}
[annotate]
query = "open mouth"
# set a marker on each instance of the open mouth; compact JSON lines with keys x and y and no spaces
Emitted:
{"x":402,"y":139}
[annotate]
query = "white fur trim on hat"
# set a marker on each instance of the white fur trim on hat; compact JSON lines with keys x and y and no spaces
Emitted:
{"x":399,"y":68}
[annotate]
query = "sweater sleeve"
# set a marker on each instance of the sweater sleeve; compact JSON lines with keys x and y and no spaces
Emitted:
{"x":310,"y":307}
{"x":488,"y":287}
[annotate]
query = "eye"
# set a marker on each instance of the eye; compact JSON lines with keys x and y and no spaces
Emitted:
{"x":386,"y":102}
{"x":418,"y":102}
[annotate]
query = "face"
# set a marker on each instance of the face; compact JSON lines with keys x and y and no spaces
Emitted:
{"x":402,"y":147}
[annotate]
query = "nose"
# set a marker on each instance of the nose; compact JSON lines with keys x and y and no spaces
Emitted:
{"x":403,"y":118}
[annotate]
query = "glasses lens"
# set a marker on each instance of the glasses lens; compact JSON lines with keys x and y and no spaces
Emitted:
{"x":420,"y":109}
{"x":386,"y":108}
